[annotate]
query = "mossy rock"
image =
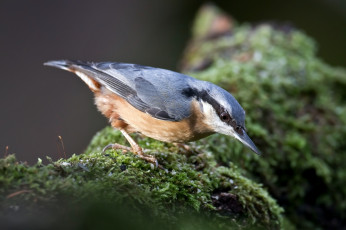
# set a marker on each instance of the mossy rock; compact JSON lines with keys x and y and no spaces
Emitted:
{"x":296,"y":113}
{"x":191,"y":182}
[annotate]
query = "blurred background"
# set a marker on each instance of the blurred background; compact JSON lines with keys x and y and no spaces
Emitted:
{"x":38,"y":104}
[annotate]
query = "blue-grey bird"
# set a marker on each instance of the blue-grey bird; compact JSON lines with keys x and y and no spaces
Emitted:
{"x":159,"y":103}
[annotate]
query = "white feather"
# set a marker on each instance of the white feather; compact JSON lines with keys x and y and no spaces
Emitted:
{"x":87,"y":80}
{"x":214,"y":121}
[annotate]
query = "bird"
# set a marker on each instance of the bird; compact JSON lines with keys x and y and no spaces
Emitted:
{"x":159,"y":103}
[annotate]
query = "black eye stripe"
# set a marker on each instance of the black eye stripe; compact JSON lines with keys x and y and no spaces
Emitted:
{"x":205,"y":96}
{"x":229,"y":120}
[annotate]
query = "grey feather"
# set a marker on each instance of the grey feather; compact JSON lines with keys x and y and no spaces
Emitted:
{"x":156,"y":88}
{"x":150,"y":90}
{"x":158,"y":92}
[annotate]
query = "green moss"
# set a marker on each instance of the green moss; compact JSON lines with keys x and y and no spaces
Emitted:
{"x":295,"y":105}
{"x":189,"y":183}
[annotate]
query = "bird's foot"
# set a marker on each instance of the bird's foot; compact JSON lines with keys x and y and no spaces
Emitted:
{"x":136,"y":150}
{"x":116,"y":146}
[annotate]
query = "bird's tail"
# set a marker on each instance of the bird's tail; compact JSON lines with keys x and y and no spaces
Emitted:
{"x":84,"y":70}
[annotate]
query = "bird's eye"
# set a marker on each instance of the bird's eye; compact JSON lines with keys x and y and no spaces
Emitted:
{"x":224,"y":116}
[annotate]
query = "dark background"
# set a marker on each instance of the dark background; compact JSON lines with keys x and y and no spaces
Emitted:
{"x":39,"y":103}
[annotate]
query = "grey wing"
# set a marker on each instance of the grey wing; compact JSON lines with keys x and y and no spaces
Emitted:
{"x":147,"y":90}
{"x":151,"y":90}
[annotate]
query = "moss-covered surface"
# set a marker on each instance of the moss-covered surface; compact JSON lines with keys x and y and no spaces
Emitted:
{"x":190,"y":182}
{"x":295,"y":108}
{"x":296,"y":114}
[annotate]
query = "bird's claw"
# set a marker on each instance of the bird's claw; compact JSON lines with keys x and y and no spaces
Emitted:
{"x":116,"y":146}
{"x":150,"y":159}
{"x":110,"y":146}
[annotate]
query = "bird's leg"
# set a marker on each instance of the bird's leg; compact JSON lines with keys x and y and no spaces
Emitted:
{"x":117,"y":146}
{"x":135,"y":148}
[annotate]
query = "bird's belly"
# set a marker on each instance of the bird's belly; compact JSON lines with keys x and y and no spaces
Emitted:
{"x":168,"y":132}
{"x":123,"y":115}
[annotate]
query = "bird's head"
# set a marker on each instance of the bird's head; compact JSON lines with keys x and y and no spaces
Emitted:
{"x":224,"y":114}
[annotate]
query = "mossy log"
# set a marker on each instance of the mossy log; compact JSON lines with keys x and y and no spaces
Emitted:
{"x":295,"y":108}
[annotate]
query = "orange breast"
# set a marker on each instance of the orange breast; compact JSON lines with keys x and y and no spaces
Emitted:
{"x":123,"y":115}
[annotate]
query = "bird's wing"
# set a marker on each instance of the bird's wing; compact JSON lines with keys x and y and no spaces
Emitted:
{"x":151,"y":90}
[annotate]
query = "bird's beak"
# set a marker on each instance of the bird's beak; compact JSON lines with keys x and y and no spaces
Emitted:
{"x":245,"y":139}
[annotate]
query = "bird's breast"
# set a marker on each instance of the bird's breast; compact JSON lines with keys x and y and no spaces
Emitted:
{"x":123,"y":115}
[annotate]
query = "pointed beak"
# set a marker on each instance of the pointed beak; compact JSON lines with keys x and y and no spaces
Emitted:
{"x":245,"y":139}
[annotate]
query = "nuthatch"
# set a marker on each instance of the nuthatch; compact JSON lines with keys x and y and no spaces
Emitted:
{"x":159,"y":103}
